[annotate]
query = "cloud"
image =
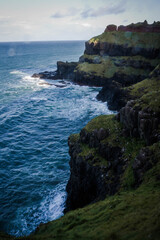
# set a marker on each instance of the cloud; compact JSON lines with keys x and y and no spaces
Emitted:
{"x":86,"y":25}
{"x":4,"y":20}
{"x":113,"y":8}
{"x":106,"y":10}
{"x":68,"y":13}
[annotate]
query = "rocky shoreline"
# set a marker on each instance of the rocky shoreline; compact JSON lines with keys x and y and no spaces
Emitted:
{"x":115,"y":66}
{"x":114,"y":158}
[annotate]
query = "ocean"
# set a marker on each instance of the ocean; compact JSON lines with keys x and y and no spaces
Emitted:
{"x":36,"y":120}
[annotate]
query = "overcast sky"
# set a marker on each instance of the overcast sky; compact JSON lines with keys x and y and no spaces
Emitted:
{"x":36,"y":20}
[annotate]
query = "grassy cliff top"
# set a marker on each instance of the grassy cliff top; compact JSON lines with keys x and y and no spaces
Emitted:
{"x":113,"y":139}
{"x":108,"y":68}
{"x":147,"y":92}
{"x":129,"y":39}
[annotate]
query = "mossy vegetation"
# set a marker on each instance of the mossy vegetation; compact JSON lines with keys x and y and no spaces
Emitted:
{"x":147,"y":93}
{"x":110,"y":66}
{"x":129,"y":39}
{"x":105,"y":121}
{"x":74,"y":138}
{"x":115,"y":136}
{"x":131,"y":146}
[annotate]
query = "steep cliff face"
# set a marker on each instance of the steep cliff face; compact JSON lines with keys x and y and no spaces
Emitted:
{"x":123,"y":55}
{"x":99,"y":154}
{"x":99,"y":157}
{"x":141,"y":116}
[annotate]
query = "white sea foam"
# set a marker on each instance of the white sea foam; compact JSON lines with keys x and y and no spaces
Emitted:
{"x":49,"y":209}
{"x":17,"y":72}
{"x":39,"y":99}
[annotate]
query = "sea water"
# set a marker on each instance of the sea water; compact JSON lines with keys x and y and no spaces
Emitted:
{"x":36,"y":120}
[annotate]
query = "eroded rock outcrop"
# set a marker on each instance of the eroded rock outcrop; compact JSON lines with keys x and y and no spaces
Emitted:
{"x":138,"y":27}
{"x":115,"y":152}
{"x":90,"y":180}
{"x":121,"y":56}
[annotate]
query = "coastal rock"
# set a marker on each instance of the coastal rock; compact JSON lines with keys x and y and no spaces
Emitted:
{"x":65,"y":70}
{"x":115,"y":96}
{"x":45,"y":75}
{"x":96,"y":166}
{"x":141,"y":27}
{"x":111,"y":28}
{"x":112,"y":49}
{"x":140,"y":123}
{"x":142,"y":163}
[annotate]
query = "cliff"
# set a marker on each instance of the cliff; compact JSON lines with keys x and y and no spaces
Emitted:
{"x":115,"y":166}
{"x":114,"y":186}
{"x":118,"y":58}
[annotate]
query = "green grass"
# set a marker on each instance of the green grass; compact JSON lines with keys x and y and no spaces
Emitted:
{"x":147,"y":93}
{"x":131,"y":146}
{"x":129,"y":39}
{"x":74,"y":138}
{"x":107,"y":68}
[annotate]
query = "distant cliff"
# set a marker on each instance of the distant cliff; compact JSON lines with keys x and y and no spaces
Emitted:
{"x":138,"y":27}
{"x":118,"y":58}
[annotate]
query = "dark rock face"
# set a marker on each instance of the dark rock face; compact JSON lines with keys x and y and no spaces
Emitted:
{"x":115,"y":96}
{"x":139,"y":27}
{"x":142,"y":163}
{"x":82,"y":78}
{"x":140,"y":123}
{"x":65,"y":70}
{"x":110,"y":49}
{"x":45,"y":75}
{"x":90,"y":182}
{"x":111,"y":28}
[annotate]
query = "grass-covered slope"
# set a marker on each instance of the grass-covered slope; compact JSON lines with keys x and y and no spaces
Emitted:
{"x":109,"y":66}
{"x":129,"y":39}
{"x":147,"y":92}
{"x":124,"y":56}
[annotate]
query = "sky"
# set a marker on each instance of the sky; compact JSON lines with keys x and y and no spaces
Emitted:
{"x":49,"y":20}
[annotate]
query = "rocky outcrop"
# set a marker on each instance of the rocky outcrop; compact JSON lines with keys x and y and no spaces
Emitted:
{"x":138,"y":27}
{"x":141,"y":27}
{"x":65,"y":70}
{"x":90,"y":180}
{"x":45,"y":75}
{"x":114,"y":60}
{"x":142,"y":163}
{"x":111,"y":28}
{"x":115,"y":49}
{"x":115,"y":96}
{"x":140,"y":123}
{"x":111,"y":153}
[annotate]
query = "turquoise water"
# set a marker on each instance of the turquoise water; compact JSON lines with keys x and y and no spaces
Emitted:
{"x":35,"y":122}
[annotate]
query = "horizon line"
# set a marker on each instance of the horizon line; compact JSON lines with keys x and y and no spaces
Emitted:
{"x":21,"y":41}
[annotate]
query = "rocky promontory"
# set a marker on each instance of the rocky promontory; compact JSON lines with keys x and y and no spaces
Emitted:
{"x":109,"y":145}
{"x":118,"y":58}
{"x":114,"y":187}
